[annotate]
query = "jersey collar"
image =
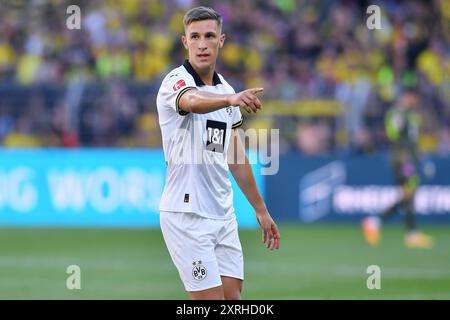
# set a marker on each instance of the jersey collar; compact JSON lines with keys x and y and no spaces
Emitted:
{"x":198,"y":81}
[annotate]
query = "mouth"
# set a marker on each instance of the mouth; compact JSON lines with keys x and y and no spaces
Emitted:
{"x":203,"y":56}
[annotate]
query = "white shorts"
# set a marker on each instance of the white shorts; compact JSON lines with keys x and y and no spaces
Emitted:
{"x":202,"y":249}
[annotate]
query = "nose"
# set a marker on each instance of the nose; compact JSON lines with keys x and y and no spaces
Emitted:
{"x":202,"y":44}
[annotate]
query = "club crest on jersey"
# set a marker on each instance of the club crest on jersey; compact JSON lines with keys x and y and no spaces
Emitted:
{"x":179,"y":84}
{"x":199,"y":271}
{"x":229,"y":111}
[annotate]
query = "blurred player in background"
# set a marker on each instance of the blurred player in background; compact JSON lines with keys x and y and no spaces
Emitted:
{"x":402,"y":129}
{"x":198,"y":112}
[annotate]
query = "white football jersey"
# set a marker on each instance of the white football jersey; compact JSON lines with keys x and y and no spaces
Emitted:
{"x":195,"y":147}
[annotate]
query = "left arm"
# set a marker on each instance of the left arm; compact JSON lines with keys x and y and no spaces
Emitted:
{"x":242,"y":172}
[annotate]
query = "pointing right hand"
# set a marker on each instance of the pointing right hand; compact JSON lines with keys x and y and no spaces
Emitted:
{"x":247,"y":99}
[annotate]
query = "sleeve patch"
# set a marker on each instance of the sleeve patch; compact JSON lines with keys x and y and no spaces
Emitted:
{"x":179,"y":84}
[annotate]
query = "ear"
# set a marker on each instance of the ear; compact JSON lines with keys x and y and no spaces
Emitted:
{"x":184,"y":41}
{"x":222,"y":40}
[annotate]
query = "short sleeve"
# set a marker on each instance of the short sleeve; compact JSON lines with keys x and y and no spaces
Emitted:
{"x":237,"y":118}
{"x":173,"y":88}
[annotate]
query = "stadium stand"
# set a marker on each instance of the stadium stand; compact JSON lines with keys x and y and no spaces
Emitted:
{"x":329,"y":79}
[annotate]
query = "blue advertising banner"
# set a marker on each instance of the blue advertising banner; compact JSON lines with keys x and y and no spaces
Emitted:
{"x":89,"y":188}
{"x":309,"y":189}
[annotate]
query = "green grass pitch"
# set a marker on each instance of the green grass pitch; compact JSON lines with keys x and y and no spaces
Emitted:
{"x":314,"y":262}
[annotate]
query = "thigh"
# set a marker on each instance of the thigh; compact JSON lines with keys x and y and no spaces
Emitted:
{"x":190,"y":241}
{"x":229,"y":251}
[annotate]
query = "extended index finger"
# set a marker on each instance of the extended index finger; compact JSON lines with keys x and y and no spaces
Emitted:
{"x":257,"y":90}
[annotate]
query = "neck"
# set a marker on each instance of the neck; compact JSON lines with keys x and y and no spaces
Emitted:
{"x":206,"y":74}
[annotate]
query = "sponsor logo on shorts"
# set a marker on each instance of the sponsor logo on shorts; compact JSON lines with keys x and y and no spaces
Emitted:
{"x":199,"y":271}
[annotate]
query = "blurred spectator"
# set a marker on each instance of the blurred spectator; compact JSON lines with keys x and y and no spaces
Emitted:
{"x":313,"y":138}
{"x":22,"y":136}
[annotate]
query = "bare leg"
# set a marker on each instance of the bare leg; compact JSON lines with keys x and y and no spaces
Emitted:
{"x":232,"y":288}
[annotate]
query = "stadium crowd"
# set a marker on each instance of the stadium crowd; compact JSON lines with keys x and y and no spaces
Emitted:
{"x":96,"y":86}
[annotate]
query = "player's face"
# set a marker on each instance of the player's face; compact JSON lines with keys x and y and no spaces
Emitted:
{"x":203,"y":41}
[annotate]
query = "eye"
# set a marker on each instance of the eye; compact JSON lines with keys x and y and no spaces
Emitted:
{"x":194,"y":36}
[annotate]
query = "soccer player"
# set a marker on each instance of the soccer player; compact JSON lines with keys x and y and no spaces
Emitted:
{"x":198,"y":112}
{"x":402,"y":129}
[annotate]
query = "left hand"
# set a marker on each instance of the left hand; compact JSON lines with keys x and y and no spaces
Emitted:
{"x":271,"y":235}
